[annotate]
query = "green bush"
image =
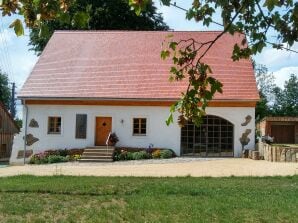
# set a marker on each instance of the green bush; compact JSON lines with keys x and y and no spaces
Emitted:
{"x":140,"y":155}
{"x":57,"y":159}
{"x":39,"y":158}
{"x":129,"y":156}
{"x":63,"y":152}
{"x":166,"y":154}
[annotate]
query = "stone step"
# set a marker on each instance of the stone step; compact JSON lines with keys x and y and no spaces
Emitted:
{"x":98,"y":154}
{"x":100,"y":147}
{"x":95,"y":160}
{"x":99,"y":150}
{"x":87,"y":156}
{"x":103,"y":153}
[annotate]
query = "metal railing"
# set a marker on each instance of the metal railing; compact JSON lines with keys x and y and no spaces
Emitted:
{"x":107,"y":141}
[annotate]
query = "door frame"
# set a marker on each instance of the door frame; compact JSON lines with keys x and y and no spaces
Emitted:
{"x":95,"y":131}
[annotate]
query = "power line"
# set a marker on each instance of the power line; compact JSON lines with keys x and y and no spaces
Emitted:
{"x":7,"y":57}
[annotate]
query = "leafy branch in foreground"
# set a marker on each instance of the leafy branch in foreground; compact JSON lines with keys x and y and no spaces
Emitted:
{"x":253,"y":18}
{"x":201,"y":87}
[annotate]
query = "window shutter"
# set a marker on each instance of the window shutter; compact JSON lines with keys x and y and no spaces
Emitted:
{"x":81,"y":126}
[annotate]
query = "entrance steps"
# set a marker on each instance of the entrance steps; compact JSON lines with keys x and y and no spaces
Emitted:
{"x":98,"y":154}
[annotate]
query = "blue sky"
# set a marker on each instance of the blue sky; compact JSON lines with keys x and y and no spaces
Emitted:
{"x":281,"y":63}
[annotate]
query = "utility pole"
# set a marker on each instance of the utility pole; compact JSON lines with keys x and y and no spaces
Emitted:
{"x":12,"y":102}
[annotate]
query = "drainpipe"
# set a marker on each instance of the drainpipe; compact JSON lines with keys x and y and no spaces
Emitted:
{"x":25,"y":136}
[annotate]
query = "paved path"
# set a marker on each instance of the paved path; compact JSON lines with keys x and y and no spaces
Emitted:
{"x":161,"y":168}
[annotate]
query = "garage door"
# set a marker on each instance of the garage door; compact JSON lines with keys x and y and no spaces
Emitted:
{"x":283,"y":133}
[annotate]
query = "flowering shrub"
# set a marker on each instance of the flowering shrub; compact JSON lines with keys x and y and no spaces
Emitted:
{"x":156,"y":154}
{"x":39,"y":158}
{"x":75,"y":157}
{"x":137,"y":154}
{"x":56,"y":156}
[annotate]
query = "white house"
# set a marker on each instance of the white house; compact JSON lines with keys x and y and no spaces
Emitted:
{"x":87,"y":84}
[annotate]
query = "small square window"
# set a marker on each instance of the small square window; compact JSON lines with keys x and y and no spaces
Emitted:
{"x":54,"y":125}
{"x":139,"y":126}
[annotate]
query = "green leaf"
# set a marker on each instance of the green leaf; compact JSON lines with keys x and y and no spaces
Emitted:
{"x":64,"y":18}
{"x":166,"y":2}
{"x":18,"y":27}
{"x":170,"y":119}
{"x":173,"y":45}
{"x":169,"y":35}
{"x":270,"y":4}
{"x":164,"y":54}
{"x":44,"y":31}
{"x":138,"y":6}
{"x":81,"y":19}
{"x":173,"y":107}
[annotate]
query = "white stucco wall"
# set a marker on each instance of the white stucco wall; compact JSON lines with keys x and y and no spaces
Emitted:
{"x":158,"y":133}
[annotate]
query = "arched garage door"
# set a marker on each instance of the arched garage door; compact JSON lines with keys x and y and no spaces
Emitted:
{"x":214,"y":138}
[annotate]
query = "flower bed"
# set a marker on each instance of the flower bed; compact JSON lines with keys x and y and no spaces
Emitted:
{"x":56,"y":156}
{"x":141,"y":153}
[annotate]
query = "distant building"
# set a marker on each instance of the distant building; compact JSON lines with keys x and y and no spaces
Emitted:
{"x":8,"y":129}
{"x":282,"y":129}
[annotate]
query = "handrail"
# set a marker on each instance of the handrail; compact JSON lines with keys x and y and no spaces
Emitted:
{"x":107,"y":141}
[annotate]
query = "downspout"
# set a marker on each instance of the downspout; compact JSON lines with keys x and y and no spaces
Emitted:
{"x":25,"y":136}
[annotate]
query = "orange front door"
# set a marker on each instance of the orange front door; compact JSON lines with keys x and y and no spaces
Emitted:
{"x":103,"y":128}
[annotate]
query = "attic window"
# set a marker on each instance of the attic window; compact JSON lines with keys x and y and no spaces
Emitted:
{"x":54,"y":125}
{"x":139,"y":126}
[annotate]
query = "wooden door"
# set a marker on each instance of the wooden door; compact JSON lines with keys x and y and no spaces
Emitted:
{"x":283,"y":133}
{"x":103,"y":128}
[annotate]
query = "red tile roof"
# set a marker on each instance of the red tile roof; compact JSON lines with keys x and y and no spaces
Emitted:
{"x":127,"y":65}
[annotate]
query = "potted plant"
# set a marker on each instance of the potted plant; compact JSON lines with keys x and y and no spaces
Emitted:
{"x":113,"y":139}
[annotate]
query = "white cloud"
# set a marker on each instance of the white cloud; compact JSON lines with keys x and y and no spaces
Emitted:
{"x":276,"y":59}
{"x":6,"y":37}
{"x":283,"y":75}
{"x":15,"y":58}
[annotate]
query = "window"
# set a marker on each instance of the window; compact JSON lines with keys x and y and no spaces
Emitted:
{"x":54,"y":125}
{"x":81,"y":126}
{"x":139,"y":126}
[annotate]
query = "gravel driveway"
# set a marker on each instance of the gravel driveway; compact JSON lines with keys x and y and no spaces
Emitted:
{"x":218,"y":167}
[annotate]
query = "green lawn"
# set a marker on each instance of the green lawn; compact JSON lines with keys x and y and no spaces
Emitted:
{"x":129,"y":199}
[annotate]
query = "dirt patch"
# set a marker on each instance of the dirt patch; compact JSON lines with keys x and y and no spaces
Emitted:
{"x":212,"y":168}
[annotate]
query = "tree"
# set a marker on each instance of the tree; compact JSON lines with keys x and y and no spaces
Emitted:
{"x":266,"y":86}
{"x":286,"y":100}
{"x":5,"y":93}
{"x":254,"y":18}
{"x":97,"y":15}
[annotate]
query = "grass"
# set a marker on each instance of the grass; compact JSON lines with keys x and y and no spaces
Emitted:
{"x":131,"y":199}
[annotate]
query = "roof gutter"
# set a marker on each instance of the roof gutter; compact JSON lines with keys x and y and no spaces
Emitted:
{"x":124,"y":99}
